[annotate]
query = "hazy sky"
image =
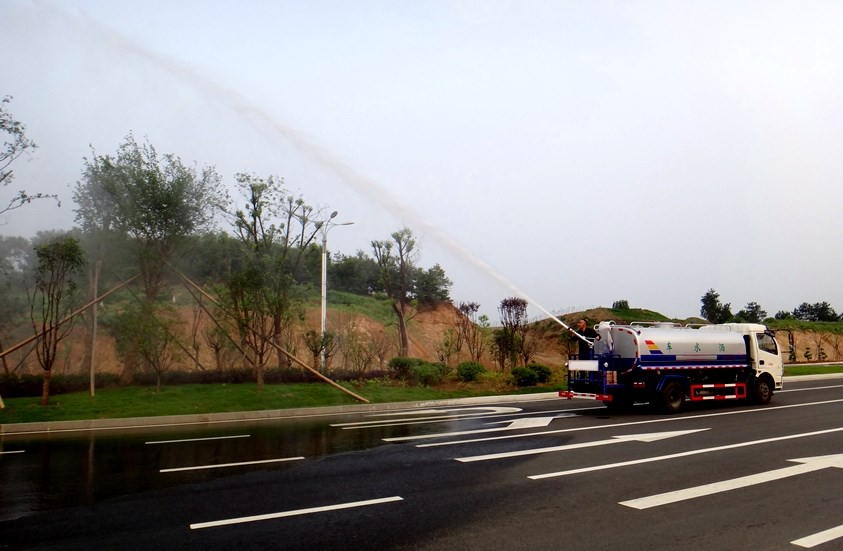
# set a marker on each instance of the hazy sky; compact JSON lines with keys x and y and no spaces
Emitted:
{"x":586,"y":151}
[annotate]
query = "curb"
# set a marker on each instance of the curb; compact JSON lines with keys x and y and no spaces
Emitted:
{"x":57,"y":427}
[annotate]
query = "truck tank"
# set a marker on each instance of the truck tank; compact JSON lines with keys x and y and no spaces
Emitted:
{"x":666,"y":347}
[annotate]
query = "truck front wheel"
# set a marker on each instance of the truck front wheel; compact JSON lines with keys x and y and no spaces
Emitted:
{"x":762,"y":391}
{"x":672,"y":397}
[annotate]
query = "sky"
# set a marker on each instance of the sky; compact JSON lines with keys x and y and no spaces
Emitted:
{"x":573,"y":153}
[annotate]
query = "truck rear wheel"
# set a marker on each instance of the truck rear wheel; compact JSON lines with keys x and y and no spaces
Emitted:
{"x":672,"y":397}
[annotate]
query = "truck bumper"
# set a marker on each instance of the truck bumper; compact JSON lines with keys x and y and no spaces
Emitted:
{"x":585,"y":396}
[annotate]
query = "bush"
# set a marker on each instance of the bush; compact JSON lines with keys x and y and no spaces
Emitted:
{"x":29,"y":385}
{"x":543,"y":373}
{"x":523,"y":376}
{"x":427,"y":374}
{"x":401,"y":367}
{"x":469,"y":371}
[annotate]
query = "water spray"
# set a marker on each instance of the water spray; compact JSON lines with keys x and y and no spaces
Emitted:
{"x":310,"y":150}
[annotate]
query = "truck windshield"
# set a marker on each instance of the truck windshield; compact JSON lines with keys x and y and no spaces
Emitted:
{"x":767,"y":343}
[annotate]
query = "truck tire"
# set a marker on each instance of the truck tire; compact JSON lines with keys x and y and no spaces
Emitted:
{"x":672,"y":397}
{"x":762,"y":391}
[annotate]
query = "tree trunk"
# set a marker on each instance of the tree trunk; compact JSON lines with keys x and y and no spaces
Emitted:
{"x":45,"y":388}
{"x":402,"y":330}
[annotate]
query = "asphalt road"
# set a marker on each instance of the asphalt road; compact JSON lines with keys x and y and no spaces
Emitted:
{"x":549,"y":474}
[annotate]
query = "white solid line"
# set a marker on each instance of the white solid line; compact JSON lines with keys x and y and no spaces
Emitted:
{"x":820,"y":537}
{"x":283,"y":514}
{"x":722,"y":486}
{"x":12,"y":451}
{"x":220,"y":465}
{"x":616,"y":425}
{"x":198,"y":439}
{"x":681,"y":454}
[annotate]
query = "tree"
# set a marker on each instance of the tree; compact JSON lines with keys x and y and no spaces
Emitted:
{"x":620,"y":305}
{"x":396,"y":260}
{"x":752,"y":313}
{"x":358,"y":274}
{"x":157,"y":202}
{"x":15,"y":261}
{"x":432,"y":285}
{"x":275,"y":230}
{"x":15,"y":144}
{"x":52,"y":300}
{"x":512,"y":334}
{"x":713,"y":310}
{"x":151,"y":336}
{"x":819,"y":311}
{"x":472,"y":330}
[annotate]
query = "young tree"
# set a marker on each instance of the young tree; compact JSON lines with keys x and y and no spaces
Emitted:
{"x":396,"y":260}
{"x":513,"y":312}
{"x":150,"y":336}
{"x":15,"y":144}
{"x":52,"y":301}
{"x":275,"y":230}
{"x":472,"y":329}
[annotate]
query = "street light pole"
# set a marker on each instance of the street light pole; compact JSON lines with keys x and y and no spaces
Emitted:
{"x":324,"y":227}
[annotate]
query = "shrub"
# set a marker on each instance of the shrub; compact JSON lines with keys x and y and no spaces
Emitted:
{"x":469,"y":371}
{"x":29,"y":385}
{"x":543,"y":373}
{"x":427,"y":374}
{"x":523,"y":376}
{"x":401,"y":366}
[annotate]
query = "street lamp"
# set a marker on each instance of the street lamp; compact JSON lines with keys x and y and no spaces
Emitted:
{"x":324,"y":227}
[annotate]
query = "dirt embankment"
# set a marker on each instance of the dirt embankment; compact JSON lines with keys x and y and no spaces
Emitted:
{"x":427,"y":332}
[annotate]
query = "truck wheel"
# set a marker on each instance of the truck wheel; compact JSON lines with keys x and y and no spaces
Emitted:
{"x":762,"y":392}
{"x":672,"y":397}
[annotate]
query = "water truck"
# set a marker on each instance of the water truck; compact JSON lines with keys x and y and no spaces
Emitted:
{"x":666,"y":363}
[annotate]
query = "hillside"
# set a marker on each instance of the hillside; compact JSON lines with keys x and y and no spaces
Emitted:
{"x":427,"y":331}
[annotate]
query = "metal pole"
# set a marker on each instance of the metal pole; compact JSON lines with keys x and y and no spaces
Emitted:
{"x":324,"y":227}
{"x":324,"y":361}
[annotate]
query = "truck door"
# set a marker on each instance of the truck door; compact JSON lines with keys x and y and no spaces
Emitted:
{"x":769,"y":359}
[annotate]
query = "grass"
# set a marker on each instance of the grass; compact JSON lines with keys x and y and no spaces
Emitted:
{"x":811,"y":369}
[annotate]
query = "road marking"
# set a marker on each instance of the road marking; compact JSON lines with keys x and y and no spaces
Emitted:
{"x":682,"y":454}
{"x":810,"y":388}
{"x":198,"y":439}
{"x":296,"y":512}
{"x":221,"y":465}
{"x":807,"y":465}
{"x":11,"y":451}
{"x":820,"y":537}
{"x":615,"y":425}
{"x":513,"y":425}
{"x":650,"y":437}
